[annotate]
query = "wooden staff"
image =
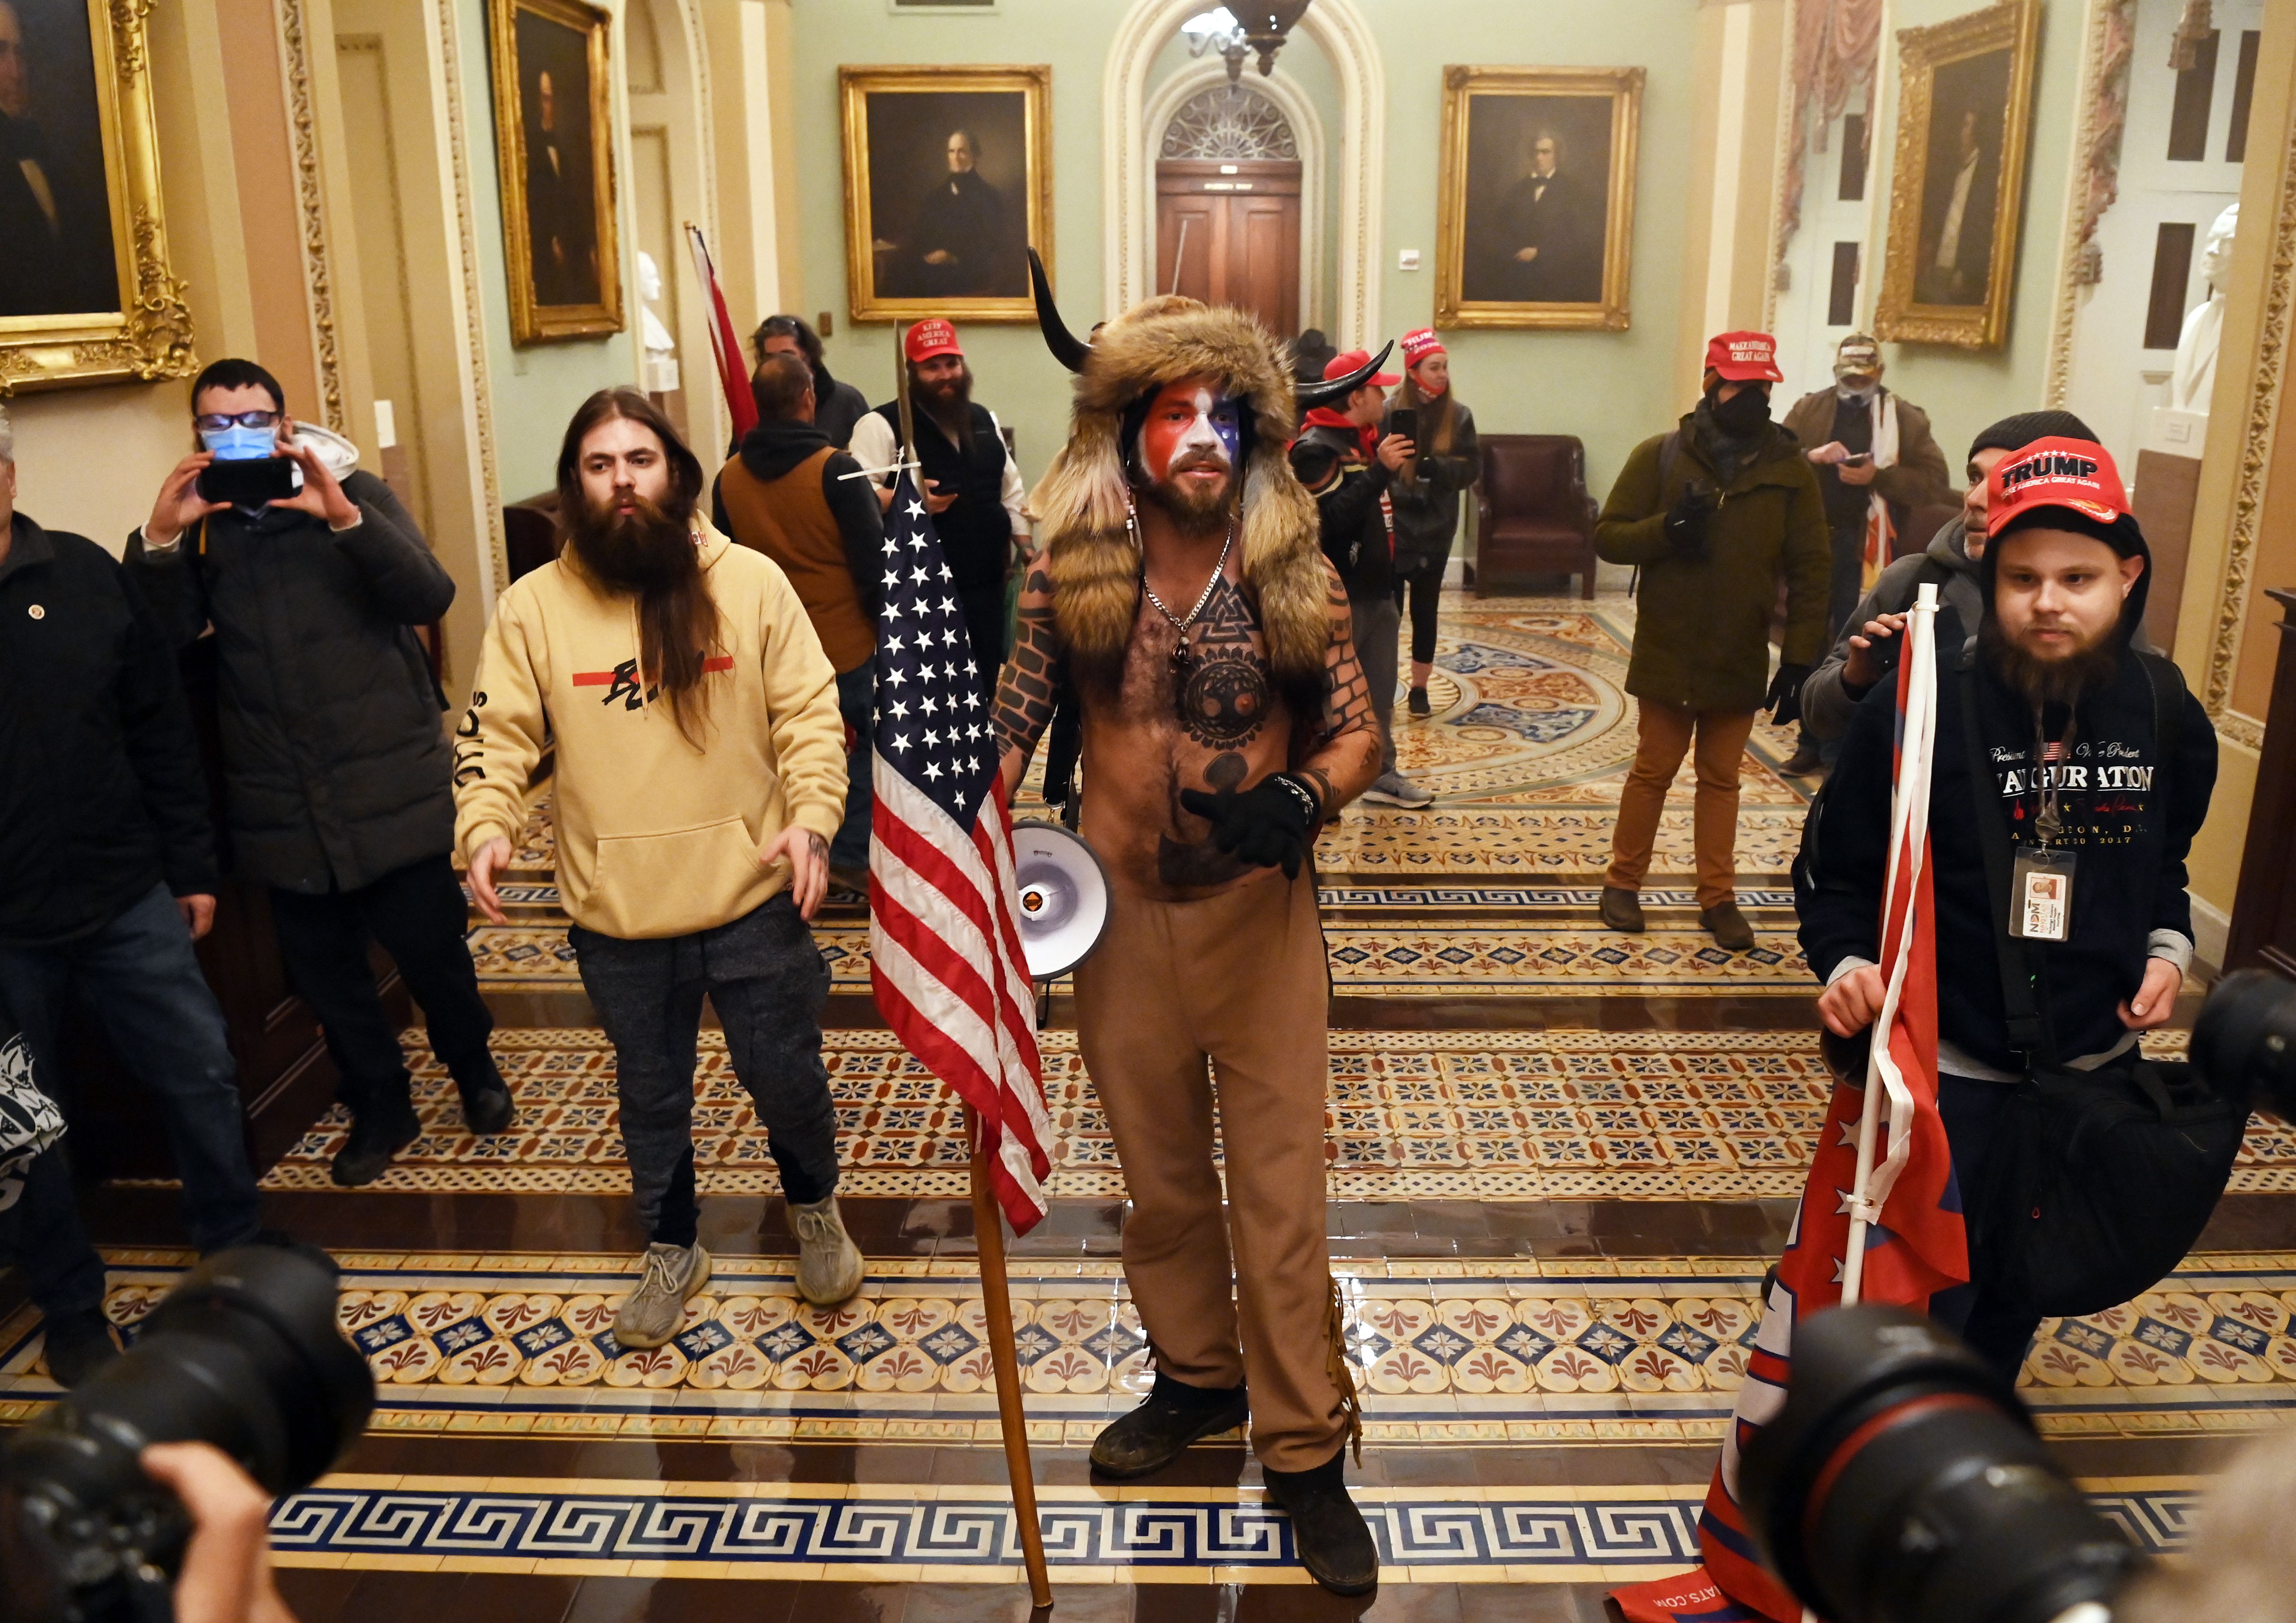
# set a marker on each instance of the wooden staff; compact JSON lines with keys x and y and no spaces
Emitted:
{"x":996,"y":1303}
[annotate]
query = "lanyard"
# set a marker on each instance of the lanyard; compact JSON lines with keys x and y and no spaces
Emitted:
{"x":2048,"y":760}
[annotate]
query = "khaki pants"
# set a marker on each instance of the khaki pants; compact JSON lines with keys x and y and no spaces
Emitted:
{"x":1239,"y":979}
{"x":1664,"y":735}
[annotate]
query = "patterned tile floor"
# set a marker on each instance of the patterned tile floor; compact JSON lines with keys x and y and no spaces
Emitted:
{"x":1471,"y":1353}
{"x":1508,"y":1116}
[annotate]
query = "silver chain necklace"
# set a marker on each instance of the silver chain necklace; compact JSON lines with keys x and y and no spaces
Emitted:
{"x":1181,"y":656}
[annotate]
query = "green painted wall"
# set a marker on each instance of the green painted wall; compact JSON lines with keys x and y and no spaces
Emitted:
{"x":1610,"y":389}
{"x":1964,"y":390}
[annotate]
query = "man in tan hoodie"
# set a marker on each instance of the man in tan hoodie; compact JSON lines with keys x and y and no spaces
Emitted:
{"x":700,"y":772}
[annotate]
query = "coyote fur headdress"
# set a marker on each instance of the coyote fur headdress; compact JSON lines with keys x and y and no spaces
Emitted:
{"x":1081,"y":503}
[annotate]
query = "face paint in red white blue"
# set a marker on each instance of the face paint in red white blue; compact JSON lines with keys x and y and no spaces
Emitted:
{"x":1190,"y":425}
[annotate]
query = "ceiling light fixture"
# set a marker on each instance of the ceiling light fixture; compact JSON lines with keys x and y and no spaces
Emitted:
{"x":1262,"y":29}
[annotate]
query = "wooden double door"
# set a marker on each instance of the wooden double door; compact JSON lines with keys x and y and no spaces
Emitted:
{"x":1228,"y":233}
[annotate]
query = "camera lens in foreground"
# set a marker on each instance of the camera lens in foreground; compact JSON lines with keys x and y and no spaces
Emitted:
{"x":1903,"y":1483}
{"x":2244,"y":1041}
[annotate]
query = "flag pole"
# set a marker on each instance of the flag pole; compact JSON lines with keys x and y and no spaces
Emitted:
{"x":996,"y":1304}
{"x":1919,"y":633}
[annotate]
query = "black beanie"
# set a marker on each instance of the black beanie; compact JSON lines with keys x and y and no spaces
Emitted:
{"x":2015,"y":433}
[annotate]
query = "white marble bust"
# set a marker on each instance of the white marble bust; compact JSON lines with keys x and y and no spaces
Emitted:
{"x":2194,"y":378}
{"x":660,"y":347}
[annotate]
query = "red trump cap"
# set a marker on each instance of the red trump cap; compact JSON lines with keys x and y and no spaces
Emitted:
{"x":931,"y":338}
{"x":1741,"y":357}
{"x":1418,"y":346}
{"x":2077,"y":475}
{"x":1356,"y":360}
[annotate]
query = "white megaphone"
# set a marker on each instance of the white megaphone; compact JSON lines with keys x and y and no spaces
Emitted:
{"x":1063,"y":896}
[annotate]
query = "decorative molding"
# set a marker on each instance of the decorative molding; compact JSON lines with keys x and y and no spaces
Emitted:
{"x":311,"y":210}
{"x":2093,"y":185}
{"x":2246,"y":731}
{"x":2260,"y":423}
{"x":1306,"y":131}
{"x":474,"y":326}
{"x":1338,"y":27}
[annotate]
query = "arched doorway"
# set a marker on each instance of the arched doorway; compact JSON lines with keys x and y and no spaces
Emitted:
{"x":1227,"y":206}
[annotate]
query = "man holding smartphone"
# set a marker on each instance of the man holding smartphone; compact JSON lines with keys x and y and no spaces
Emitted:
{"x":1877,"y":461}
{"x":336,"y":762}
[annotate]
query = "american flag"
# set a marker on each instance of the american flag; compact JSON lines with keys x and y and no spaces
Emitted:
{"x":1914,"y":1242}
{"x":944,"y":940}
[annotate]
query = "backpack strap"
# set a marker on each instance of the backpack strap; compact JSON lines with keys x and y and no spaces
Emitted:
{"x":1669,"y":452}
{"x":2167,"y":684}
{"x":2028,"y":1033}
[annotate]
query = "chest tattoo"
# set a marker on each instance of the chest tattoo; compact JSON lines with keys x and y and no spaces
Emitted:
{"x":1225,"y":692}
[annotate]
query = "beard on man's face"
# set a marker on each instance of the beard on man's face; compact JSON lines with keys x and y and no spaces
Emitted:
{"x":1196,"y":505}
{"x":2045,"y":679}
{"x":945,"y":399}
{"x":641,"y":551}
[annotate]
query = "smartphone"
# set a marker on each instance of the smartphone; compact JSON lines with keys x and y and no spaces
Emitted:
{"x":1404,"y":420}
{"x":1857,"y":459}
{"x":250,"y":481}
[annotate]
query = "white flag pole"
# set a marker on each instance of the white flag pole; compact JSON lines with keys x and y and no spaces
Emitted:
{"x":1909,"y":830}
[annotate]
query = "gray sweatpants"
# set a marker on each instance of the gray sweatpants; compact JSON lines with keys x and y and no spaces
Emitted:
{"x":768,"y":983}
{"x":1378,"y":624}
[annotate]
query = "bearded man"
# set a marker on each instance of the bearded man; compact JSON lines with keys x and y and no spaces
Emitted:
{"x":2102,"y":765}
{"x":972,"y":484}
{"x":1183,"y":599}
{"x":700,"y":774}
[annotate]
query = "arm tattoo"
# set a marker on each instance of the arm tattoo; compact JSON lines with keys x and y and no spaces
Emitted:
{"x":1029,"y":688}
{"x":1345,"y":756}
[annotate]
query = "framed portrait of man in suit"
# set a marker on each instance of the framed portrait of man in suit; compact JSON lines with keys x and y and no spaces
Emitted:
{"x":947,"y":181}
{"x":86,"y":295}
{"x":1957,"y":193}
{"x":554,"y":150}
{"x":1535,"y":198}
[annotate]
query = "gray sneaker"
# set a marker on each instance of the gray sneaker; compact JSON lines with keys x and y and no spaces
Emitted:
{"x":668,"y":1276}
{"x":828,"y":1262}
{"x":1393,"y":789}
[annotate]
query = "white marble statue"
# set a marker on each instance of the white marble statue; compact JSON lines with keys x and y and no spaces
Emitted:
{"x":660,"y":347}
{"x":2194,"y":378}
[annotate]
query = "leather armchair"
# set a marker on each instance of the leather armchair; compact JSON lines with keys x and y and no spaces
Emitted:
{"x":531,"y":533}
{"x":1532,"y":513}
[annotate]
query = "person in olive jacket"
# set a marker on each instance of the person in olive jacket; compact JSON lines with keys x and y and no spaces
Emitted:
{"x":1712,"y":513}
{"x":336,"y":764}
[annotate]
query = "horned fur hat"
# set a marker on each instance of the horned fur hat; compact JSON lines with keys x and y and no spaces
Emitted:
{"x":1081,"y":503}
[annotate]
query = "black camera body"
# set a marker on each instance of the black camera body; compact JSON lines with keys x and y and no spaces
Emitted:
{"x":244,"y":1354}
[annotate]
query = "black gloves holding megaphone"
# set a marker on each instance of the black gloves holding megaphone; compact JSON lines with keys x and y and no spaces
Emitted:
{"x":1269,"y":825}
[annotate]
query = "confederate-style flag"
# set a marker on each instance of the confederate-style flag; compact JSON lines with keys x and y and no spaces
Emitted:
{"x":1912,"y":1245}
{"x":725,"y":348}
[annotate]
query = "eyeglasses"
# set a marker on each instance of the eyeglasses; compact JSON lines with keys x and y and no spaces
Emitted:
{"x":215,"y":422}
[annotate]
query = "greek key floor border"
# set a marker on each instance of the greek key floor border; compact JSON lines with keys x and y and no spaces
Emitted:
{"x":873,"y":1534}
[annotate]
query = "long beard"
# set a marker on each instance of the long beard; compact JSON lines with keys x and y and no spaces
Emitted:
{"x":644,"y":553}
{"x":1196,"y":510}
{"x":948,"y":404}
{"x":2041,"y":682}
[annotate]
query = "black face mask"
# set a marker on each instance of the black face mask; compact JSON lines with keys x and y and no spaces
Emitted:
{"x":1743,"y":414}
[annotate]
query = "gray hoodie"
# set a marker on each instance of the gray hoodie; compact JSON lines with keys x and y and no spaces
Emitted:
{"x":1826,"y":703}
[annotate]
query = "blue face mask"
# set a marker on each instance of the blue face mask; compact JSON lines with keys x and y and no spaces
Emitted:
{"x":239,"y":442}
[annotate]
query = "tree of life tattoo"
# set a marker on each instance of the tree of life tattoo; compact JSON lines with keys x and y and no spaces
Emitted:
{"x":1224,"y":697}
{"x":1029,"y":687}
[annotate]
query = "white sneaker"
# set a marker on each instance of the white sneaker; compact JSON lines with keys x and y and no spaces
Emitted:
{"x":828,"y":1262}
{"x":1393,"y":789}
{"x":669,"y":1277}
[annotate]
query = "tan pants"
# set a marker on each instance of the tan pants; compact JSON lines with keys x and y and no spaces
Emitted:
{"x":1239,"y":979}
{"x":1665,"y":736}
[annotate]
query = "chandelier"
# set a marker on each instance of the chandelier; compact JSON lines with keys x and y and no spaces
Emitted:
{"x":1262,"y":29}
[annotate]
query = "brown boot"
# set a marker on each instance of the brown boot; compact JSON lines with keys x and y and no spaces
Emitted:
{"x":1729,"y":927}
{"x":1622,"y":910}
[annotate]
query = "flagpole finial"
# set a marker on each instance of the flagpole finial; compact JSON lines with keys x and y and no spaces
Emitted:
{"x":907,"y":412}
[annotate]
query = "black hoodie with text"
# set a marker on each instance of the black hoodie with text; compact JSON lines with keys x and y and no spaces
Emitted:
{"x":2129,"y":815}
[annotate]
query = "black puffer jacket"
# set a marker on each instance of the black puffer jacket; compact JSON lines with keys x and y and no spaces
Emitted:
{"x":335,"y":765}
{"x":1427,"y":503}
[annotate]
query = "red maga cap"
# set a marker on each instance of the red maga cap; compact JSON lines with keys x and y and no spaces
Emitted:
{"x":928,"y":339}
{"x":2075,"y":474}
{"x":1742,"y":357}
{"x":1356,"y":360}
{"x":1418,"y":346}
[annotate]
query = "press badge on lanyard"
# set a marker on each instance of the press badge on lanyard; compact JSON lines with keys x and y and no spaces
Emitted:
{"x":2041,"y":883}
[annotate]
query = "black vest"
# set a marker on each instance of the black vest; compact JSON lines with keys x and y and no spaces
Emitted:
{"x":976,"y":533}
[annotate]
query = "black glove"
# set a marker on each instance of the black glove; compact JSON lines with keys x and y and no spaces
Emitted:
{"x":1785,"y":700}
{"x":1271,"y":824}
{"x":1687,"y":522}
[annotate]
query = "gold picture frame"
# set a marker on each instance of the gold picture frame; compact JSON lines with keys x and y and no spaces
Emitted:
{"x":90,"y":115}
{"x":1500,"y":126}
{"x":561,"y":245}
{"x":1964,"y":122}
{"x":920,"y":242}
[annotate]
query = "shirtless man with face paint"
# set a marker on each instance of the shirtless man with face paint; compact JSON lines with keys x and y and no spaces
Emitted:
{"x":1182,"y":597}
